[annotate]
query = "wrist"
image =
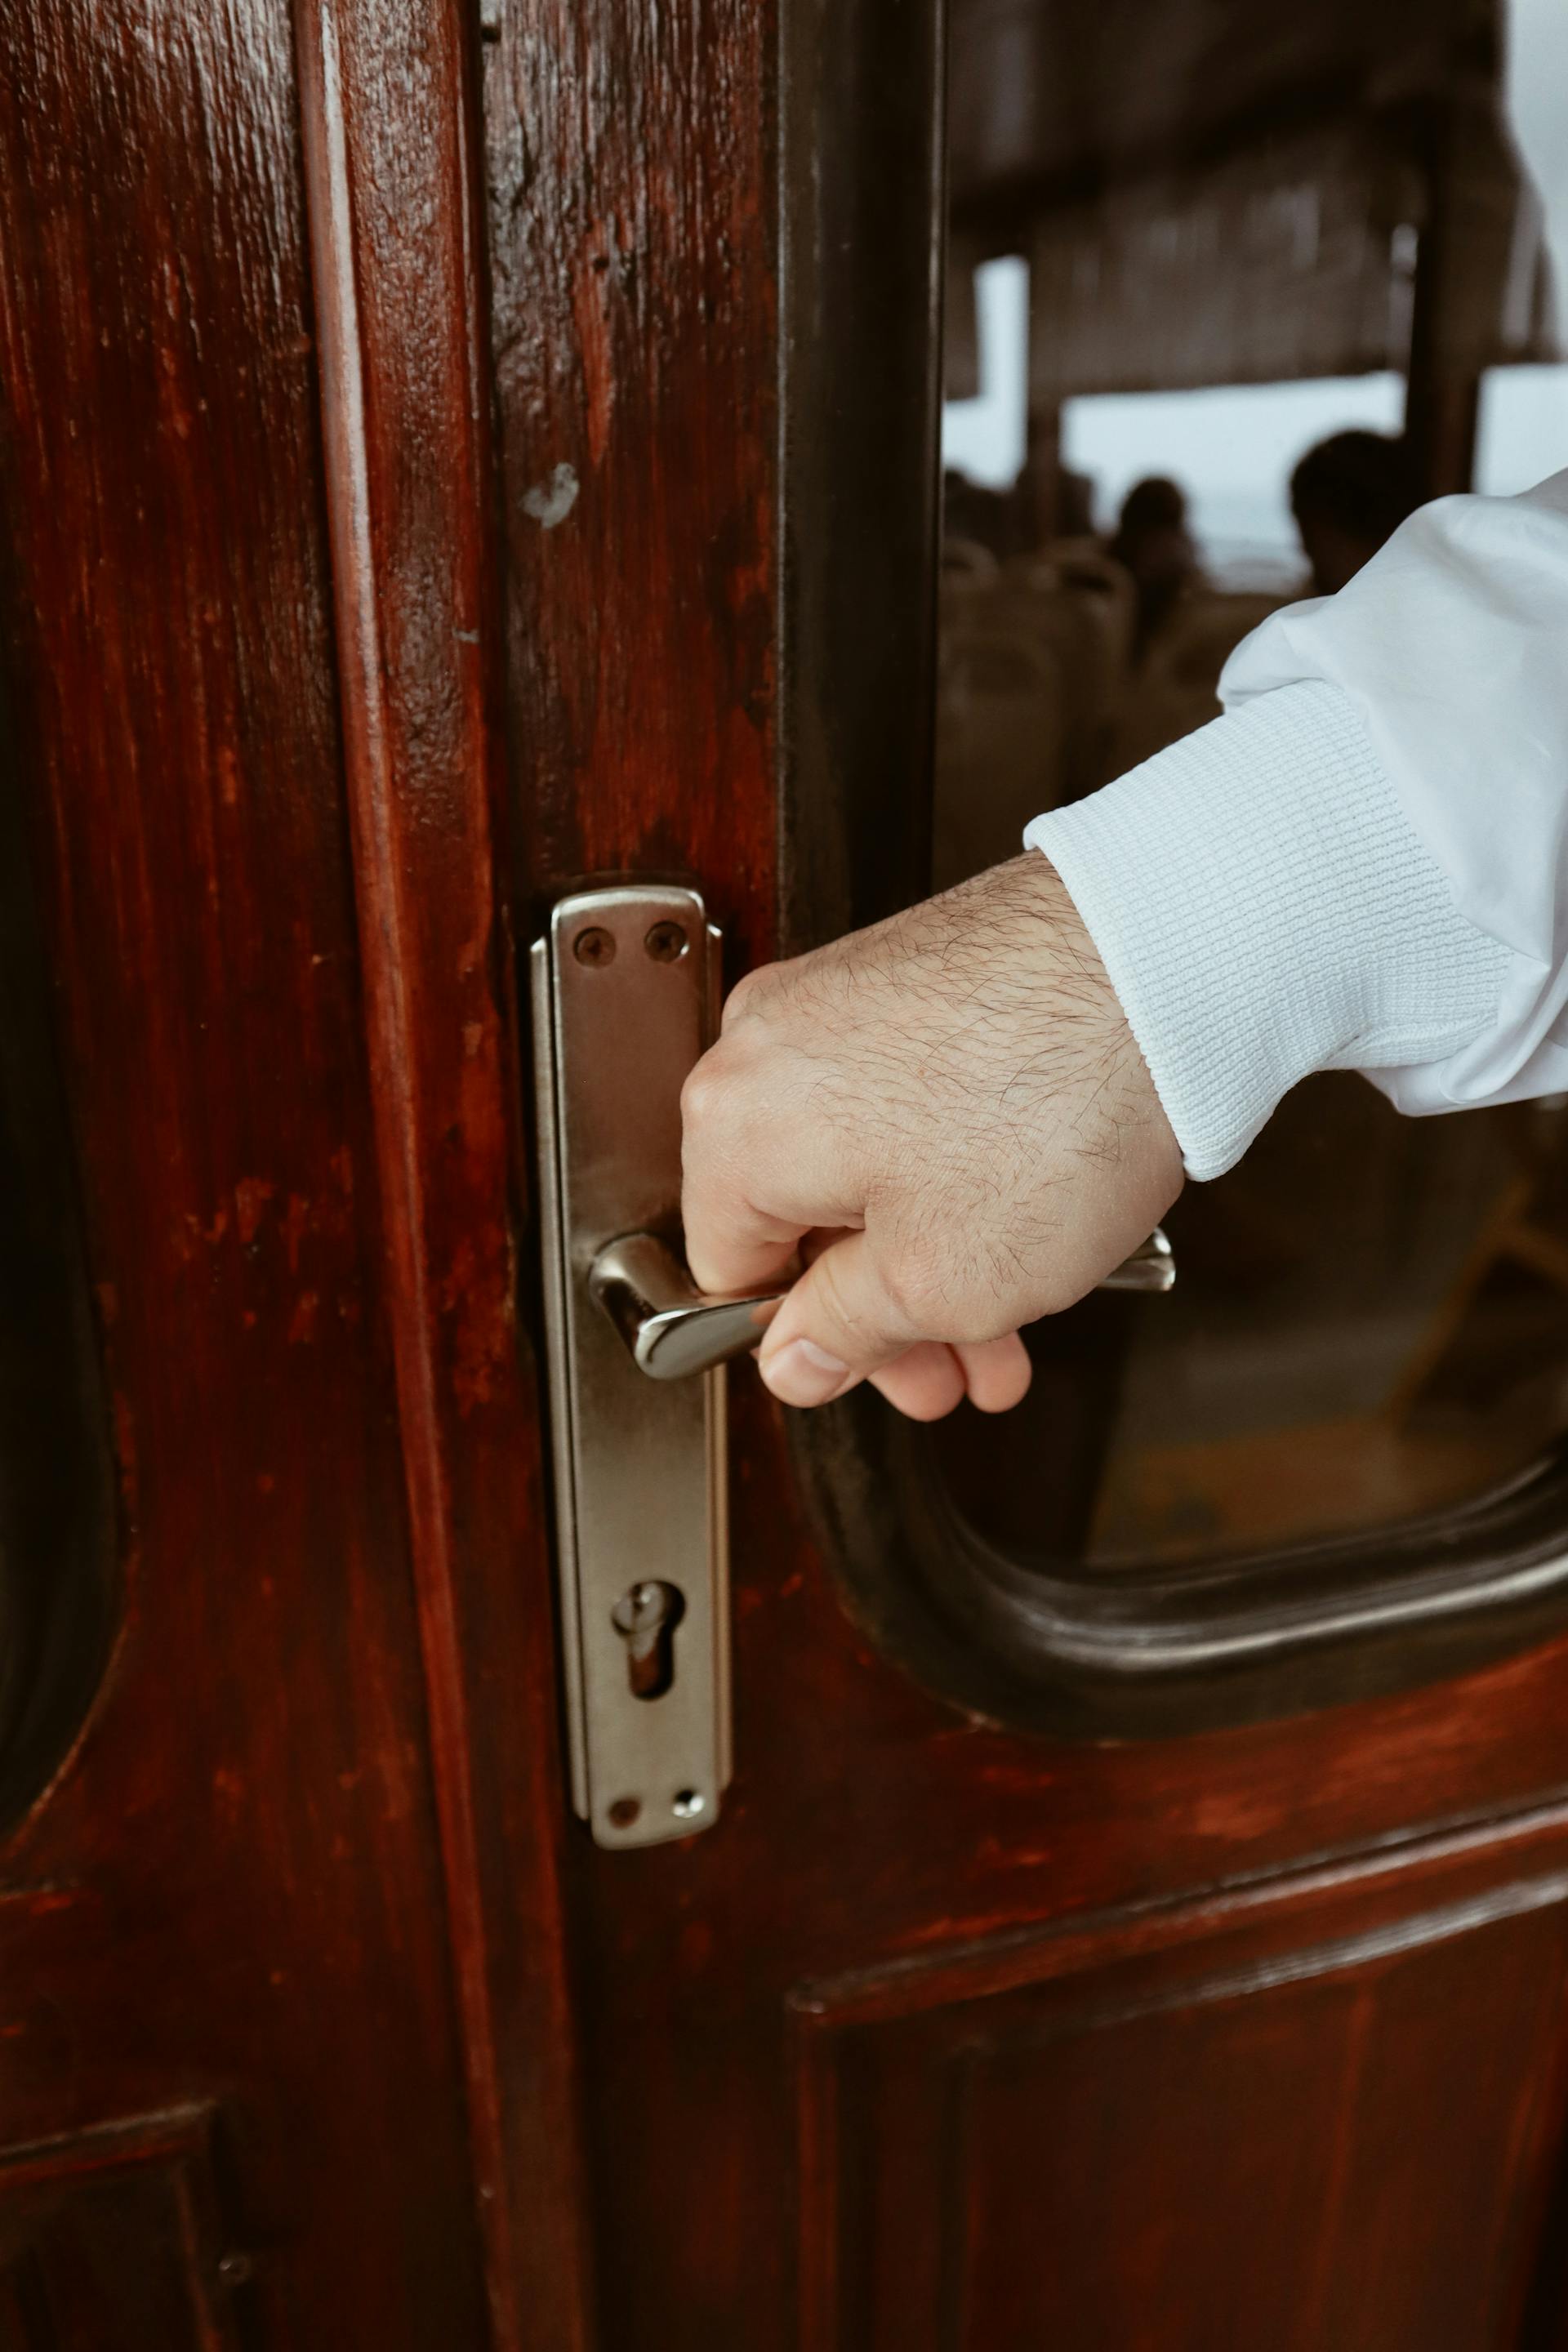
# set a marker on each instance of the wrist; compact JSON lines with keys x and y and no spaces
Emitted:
{"x":1054,"y":1081}
{"x":1083,"y":1023}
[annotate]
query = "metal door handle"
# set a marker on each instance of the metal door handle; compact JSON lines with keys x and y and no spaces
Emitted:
{"x":672,"y":1330}
{"x":1152,"y":1266}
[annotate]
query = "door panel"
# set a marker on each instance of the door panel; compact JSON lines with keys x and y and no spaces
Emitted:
{"x":1185,"y":2128}
{"x":870,"y":1832}
{"x":791,"y":2022}
{"x":114,"y":2235}
{"x":298,"y":1874}
{"x":290,"y":2046}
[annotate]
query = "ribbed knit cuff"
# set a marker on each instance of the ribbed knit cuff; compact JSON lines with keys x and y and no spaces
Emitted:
{"x":1263,"y":908}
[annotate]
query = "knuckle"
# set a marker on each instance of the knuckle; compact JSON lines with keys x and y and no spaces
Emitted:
{"x":703,"y":1094}
{"x":743,"y":998}
{"x":845,"y":1313}
{"x":913,"y":1284}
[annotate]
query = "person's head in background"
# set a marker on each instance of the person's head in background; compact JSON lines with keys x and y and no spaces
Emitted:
{"x":1151,"y":540}
{"x":1349,"y":495}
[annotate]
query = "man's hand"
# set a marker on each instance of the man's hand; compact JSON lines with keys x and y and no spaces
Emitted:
{"x":948,"y":1115}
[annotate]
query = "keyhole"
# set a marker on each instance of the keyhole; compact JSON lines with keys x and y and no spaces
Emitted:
{"x":645,"y":1618}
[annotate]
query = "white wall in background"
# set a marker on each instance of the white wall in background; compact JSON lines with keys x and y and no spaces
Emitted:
{"x":1523,"y":433}
{"x":1231,"y":449}
{"x":985,"y":438}
{"x":1537,"y":94}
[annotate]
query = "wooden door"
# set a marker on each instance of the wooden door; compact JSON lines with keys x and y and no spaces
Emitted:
{"x":1173,"y":1961}
{"x":436,"y":478}
{"x":282,"y":2012}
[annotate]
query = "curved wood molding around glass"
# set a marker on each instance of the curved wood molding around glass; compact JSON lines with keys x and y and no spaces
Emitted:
{"x":1133,"y":1651}
{"x":59,"y":1577}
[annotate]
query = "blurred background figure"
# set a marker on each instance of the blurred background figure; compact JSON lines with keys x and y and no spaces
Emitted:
{"x":974,"y":515}
{"x":1152,"y":543}
{"x":1349,"y":495}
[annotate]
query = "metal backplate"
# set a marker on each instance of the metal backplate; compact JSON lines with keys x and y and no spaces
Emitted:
{"x":624,"y":985}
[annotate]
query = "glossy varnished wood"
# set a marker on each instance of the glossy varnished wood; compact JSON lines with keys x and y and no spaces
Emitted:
{"x":757,"y":2139}
{"x":1180,"y":2124}
{"x":286,"y":2016}
{"x":298,"y":1869}
{"x":115,"y":2234}
{"x":60,"y":1585}
{"x":391,"y":117}
{"x":632,"y":256}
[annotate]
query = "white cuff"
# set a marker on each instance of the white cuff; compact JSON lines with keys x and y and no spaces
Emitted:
{"x":1264,"y":907}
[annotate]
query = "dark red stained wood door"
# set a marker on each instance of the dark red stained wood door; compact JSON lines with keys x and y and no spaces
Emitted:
{"x":283,"y":2036}
{"x":944,"y":2035}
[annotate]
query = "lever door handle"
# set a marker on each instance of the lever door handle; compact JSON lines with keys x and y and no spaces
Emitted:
{"x":672,"y":1330}
{"x":1150,"y":1267}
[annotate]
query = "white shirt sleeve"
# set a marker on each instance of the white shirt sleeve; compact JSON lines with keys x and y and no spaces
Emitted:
{"x":1364,"y":864}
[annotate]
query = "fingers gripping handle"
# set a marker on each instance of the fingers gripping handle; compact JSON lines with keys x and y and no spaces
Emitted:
{"x":672,"y":1330}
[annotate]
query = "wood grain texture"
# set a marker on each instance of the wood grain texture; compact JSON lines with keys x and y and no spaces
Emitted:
{"x":390,"y":111}
{"x":114,"y":2234}
{"x":871,"y":1833}
{"x":867,"y":1825}
{"x":237,"y":1888}
{"x":58,"y":1548}
{"x":1213,"y":2123}
{"x":299,"y":1875}
{"x":635,"y":344}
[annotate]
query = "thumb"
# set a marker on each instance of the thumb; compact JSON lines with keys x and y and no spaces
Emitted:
{"x":838,"y":1323}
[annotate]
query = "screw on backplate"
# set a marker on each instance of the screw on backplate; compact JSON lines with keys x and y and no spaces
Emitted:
{"x":665,"y":943}
{"x":595,"y":946}
{"x":235,"y":2269}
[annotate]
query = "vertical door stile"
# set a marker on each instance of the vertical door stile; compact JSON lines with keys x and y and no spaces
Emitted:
{"x":388,"y":106}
